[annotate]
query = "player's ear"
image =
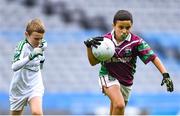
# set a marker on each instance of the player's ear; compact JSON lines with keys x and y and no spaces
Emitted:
{"x":26,"y":34}
{"x":113,"y":25}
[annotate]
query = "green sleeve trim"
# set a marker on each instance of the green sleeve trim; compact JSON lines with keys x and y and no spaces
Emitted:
{"x":18,"y":50}
{"x":143,"y":46}
{"x":145,"y":57}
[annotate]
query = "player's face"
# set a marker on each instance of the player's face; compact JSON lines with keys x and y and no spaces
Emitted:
{"x":122,"y":29}
{"x":35,"y":38}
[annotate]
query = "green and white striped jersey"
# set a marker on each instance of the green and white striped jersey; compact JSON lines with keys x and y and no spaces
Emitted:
{"x":28,"y":78}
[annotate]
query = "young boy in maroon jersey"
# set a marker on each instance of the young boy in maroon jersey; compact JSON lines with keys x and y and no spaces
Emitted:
{"x":117,"y":74}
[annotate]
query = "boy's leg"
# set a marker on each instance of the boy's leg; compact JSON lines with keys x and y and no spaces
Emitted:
{"x":16,"y":112}
{"x":17,"y":105}
{"x":117,"y":100}
{"x":111,"y":108}
{"x":36,"y":105}
{"x":126,"y":91}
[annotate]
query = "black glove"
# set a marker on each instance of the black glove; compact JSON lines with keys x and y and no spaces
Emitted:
{"x":93,"y":42}
{"x":168,"y":81}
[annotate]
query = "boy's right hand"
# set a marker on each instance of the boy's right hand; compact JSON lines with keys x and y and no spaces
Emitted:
{"x":43,"y":45}
{"x":93,"y":42}
{"x":35,"y":53}
{"x":167,"y":80}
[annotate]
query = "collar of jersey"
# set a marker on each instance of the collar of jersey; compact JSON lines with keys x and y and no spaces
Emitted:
{"x":29,"y":43}
{"x":128,"y":38}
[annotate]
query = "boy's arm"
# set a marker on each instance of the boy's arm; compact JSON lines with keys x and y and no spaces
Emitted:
{"x":92,"y":60}
{"x":89,"y":43}
{"x":44,"y":46}
{"x":166,"y":77}
{"x":21,"y":62}
{"x":157,"y":62}
{"x":42,"y":59}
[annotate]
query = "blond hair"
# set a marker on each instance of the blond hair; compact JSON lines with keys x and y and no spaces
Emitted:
{"x":35,"y":25}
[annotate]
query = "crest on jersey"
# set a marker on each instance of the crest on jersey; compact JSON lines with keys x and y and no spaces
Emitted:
{"x":128,"y":51}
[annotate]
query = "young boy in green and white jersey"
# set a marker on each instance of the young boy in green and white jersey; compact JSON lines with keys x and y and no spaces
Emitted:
{"x":27,"y":85}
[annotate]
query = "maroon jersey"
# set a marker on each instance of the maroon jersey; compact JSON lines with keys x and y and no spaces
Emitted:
{"x":122,"y":65}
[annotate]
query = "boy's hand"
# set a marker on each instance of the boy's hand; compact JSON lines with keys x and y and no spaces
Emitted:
{"x":168,"y":81}
{"x":35,"y":53}
{"x":93,"y":42}
{"x":43,"y":45}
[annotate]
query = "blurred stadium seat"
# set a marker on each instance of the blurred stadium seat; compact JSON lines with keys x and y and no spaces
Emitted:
{"x":70,"y":82}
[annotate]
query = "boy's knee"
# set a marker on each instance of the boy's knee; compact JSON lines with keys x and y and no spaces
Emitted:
{"x":120,"y":105}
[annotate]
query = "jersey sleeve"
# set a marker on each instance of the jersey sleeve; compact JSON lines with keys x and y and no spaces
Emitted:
{"x":145,"y":52}
{"x":19,"y":59}
{"x":18,"y":53}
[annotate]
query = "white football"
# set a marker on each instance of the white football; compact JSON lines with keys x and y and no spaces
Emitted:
{"x":105,"y":50}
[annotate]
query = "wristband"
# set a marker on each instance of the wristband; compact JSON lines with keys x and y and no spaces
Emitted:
{"x":166,"y":75}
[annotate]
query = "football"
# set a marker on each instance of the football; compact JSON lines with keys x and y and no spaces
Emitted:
{"x":105,"y":50}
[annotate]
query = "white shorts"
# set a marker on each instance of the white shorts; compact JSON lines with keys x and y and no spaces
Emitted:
{"x":107,"y":81}
{"x":18,"y":103}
